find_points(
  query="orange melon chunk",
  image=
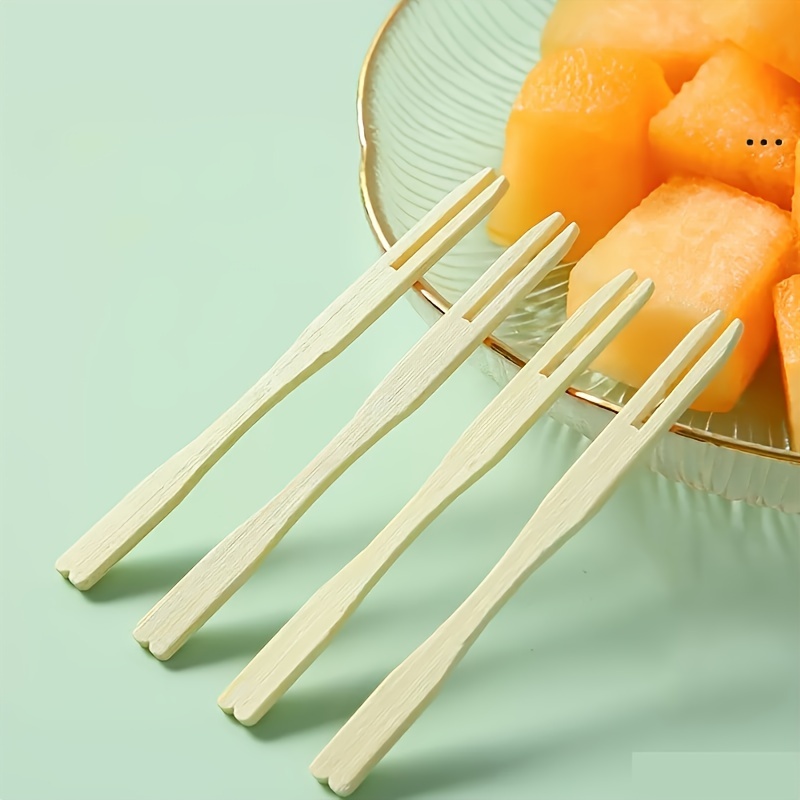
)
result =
(577, 142)
(787, 316)
(671, 32)
(769, 29)
(716, 124)
(707, 246)
(796, 198)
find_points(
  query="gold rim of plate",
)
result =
(380, 229)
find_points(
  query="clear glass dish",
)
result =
(434, 96)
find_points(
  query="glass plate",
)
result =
(434, 96)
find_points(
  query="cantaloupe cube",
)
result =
(577, 142)
(787, 316)
(716, 124)
(796, 198)
(707, 246)
(769, 29)
(671, 32)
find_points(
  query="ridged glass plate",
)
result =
(434, 97)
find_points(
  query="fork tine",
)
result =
(488, 300)
(599, 333)
(415, 259)
(655, 388)
(411, 242)
(695, 380)
(507, 266)
(575, 327)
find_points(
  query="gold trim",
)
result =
(426, 291)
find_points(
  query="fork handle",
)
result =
(397, 702)
(214, 579)
(148, 503)
(229, 565)
(298, 643)
(409, 689)
(145, 506)
(389, 712)
(211, 582)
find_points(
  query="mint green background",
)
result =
(178, 197)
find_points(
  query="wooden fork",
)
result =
(122, 528)
(204, 589)
(487, 440)
(397, 702)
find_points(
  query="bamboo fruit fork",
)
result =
(211, 582)
(397, 702)
(125, 525)
(483, 445)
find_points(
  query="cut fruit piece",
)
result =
(577, 142)
(769, 29)
(737, 120)
(796, 198)
(671, 32)
(707, 246)
(787, 316)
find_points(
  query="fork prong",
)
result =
(433, 248)
(510, 263)
(655, 388)
(441, 215)
(695, 380)
(600, 333)
(563, 341)
(491, 307)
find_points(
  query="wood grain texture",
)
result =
(140, 511)
(484, 444)
(409, 689)
(446, 345)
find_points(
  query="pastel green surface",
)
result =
(178, 197)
